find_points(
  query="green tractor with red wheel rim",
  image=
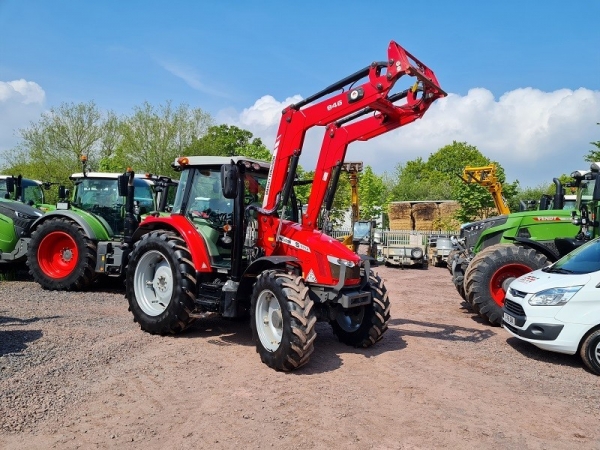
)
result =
(506, 247)
(21, 204)
(88, 234)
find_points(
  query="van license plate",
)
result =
(509, 319)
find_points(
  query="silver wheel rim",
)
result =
(351, 319)
(269, 320)
(153, 283)
(596, 353)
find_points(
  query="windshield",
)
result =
(584, 259)
(100, 196)
(32, 192)
(586, 190)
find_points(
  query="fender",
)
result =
(87, 228)
(538, 246)
(184, 228)
(258, 266)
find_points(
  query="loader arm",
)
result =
(485, 176)
(323, 108)
(338, 136)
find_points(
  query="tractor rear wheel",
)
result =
(161, 283)
(491, 272)
(363, 326)
(283, 320)
(61, 256)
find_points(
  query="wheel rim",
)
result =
(502, 279)
(350, 320)
(153, 283)
(595, 353)
(58, 254)
(269, 320)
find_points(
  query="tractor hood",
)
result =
(322, 257)
(13, 208)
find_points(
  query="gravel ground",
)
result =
(76, 372)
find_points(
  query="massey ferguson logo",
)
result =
(551, 219)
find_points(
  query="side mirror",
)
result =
(544, 202)
(230, 174)
(122, 183)
(62, 192)
(10, 184)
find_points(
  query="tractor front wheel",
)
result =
(283, 320)
(161, 283)
(363, 326)
(61, 256)
(491, 272)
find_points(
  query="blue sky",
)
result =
(524, 77)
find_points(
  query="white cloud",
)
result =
(534, 135)
(21, 102)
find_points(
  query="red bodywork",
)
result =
(320, 256)
(311, 247)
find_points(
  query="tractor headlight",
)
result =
(346, 263)
(554, 297)
(416, 253)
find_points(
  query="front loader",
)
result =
(234, 242)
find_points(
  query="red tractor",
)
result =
(235, 242)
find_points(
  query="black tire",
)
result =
(161, 283)
(292, 320)
(450, 258)
(491, 271)
(61, 257)
(590, 352)
(467, 272)
(363, 326)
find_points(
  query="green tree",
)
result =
(371, 194)
(229, 140)
(51, 148)
(153, 137)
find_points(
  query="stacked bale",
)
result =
(400, 216)
(424, 215)
(447, 219)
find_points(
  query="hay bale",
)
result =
(424, 212)
(399, 210)
(401, 224)
(425, 225)
(448, 209)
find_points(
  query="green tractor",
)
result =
(88, 233)
(500, 249)
(24, 190)
(21, 204)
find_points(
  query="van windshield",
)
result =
(585, 259)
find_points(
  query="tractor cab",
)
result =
(200, 199)
(21, 189)
(98, 193)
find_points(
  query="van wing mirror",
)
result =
(230, 174)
